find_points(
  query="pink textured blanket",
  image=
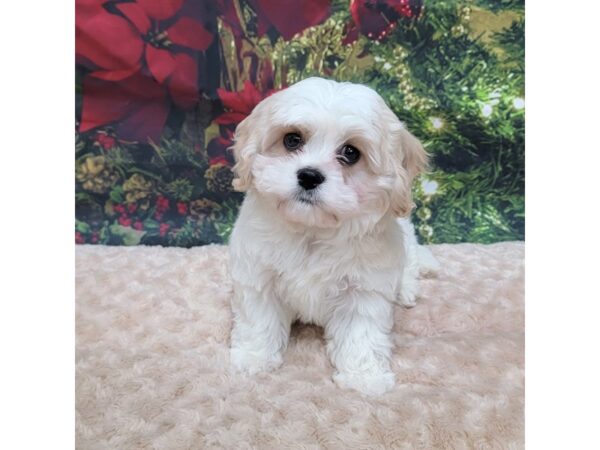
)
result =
(152, 360)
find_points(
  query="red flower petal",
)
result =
(290, 17)
(109, 41)
(86, 9)
(183, 83)
(263, 24)
(190, 33)
(243, 101)
(149, 108)
(160, 9)
(136, 15)
(146, 123)
(103, 102)
(137, 105)
(230, 118)
(115, 75)
(160, 62)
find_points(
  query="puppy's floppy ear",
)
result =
(245, 147)
(409, 159)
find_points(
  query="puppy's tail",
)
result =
(426, 262)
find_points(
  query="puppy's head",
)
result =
(325, 152)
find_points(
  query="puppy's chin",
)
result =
(307, 213)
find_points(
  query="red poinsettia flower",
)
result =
(376, 18)
(289, 17)
(240, 104)
(120, 46)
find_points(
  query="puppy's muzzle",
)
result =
(309, 178)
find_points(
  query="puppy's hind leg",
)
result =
(261, 329)
(418, 260)
(409, 283)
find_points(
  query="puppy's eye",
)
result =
(349, 155)
(292, 141)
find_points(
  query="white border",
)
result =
(36, 228)
(562, 219)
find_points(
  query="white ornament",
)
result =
(430, 187)
(436, 122)
(487, 110)
(519, 103)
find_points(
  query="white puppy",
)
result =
(327, 169)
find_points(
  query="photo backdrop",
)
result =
(162, 84)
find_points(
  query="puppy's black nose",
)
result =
(309, 178)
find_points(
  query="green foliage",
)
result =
(500, 5)
(226, 219)
(457, 92)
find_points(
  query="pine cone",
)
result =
(96, 175)
(202, 208)
(218, 178)
(137, 188)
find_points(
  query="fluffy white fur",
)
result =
(340, 260)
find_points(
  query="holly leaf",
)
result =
(82, 227)
(151, 225)
(129, 235)
(116, 194)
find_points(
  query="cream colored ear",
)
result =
(245, 147)
(411, 159)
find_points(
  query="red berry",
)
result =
(162, 204)
(138, 225)
(164, 227)
(119, 208)
(131, 207)
(182, 208)
(79, 239)
(106, 142)
(125, 221)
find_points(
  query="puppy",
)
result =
(327, 170)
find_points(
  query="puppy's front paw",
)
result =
(372, 383)
(408, 294)
(408, 300)
(251, 362)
